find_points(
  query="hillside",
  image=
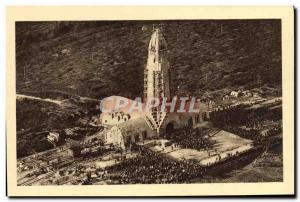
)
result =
(98, 59)
(36, 116)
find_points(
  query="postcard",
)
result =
(150, 101)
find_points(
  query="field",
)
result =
(222, 143)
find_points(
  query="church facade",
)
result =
(153, 122)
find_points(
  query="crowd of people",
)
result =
(151, 167)
(192, 138)
(253, 119)
(245, 116)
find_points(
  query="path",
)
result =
(20, 96)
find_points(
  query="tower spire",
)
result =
(156, 75)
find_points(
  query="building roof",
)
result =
(110, 103)
(134, 125)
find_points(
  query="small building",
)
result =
(226, 97)
(53, 137)
(234, 94)
(72, 131)
(53, 161)
(66, 51)
(123, 134)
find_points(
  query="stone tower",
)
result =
(156, 77)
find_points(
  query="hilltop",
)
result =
(102, 58)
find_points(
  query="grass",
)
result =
(108, 57)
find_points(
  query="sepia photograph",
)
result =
(103, 102)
